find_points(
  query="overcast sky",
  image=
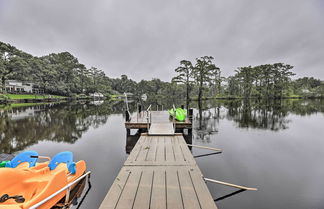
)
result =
(146, 39)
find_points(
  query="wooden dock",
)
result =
(159, 173)
(139, 120)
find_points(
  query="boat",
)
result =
(24, 182)
(178, 113)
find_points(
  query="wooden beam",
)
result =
(203, 147)
(230, 185)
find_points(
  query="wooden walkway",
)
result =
(159, 129)
(159, 173)
(139, 120)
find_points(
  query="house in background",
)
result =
(97, 96)
(14, 86)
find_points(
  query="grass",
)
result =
(31, 96)
(16, 105)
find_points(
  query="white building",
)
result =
(20, 86)
(97, 95)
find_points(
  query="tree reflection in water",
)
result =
(61, 122)
(21, 127)
(257, 114)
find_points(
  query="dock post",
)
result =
(190, 114)
(139, 108)
(188, 137)
(127, 116)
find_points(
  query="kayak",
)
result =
(28, 183)
(179, 114)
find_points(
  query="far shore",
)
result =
(36, 98)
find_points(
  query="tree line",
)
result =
(60, 73)
(269, 81)
(63, 74)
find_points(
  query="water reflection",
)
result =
(131, 140)
(229, 195)
(209, 154)
(60, 122)
(79, 204)
(66, 122)
(271, 160)
(256, 114)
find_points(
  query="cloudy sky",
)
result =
(147, 38)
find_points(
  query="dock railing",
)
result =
(173, 119)
(148, 117)
(67, 188)
(158, 107)
(128, 115)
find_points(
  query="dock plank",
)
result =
(112, 198)
(151, 156)
(127, 197)
(143, 197)
(206, 201)
(190, 199)
(160, 187)
(161, 150)
(174, 196)
(158, 196)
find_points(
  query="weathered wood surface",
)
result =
(161, 129)
(160, 173)
(160, 150)
(159, 187)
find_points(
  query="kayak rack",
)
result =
(67, 188)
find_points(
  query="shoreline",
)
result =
(39, 99)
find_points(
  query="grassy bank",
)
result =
(14, 105)
(28, 98)
(240, 97)
(34, 98)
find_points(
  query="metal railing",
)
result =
(158, 107)
(67, 188)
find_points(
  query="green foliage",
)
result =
(185, 77)
(263, 81)
(203, 73)
(62, 74)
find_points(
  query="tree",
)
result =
(247, 77)
(233, 87)
(185, 75)
(281, 78)
(11, 66)
(217, 81)
(267, 81)
(203, 73)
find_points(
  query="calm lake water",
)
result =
(276, 146)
